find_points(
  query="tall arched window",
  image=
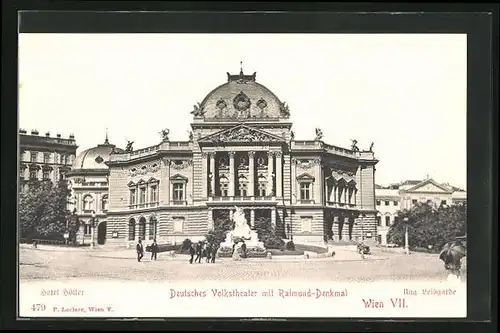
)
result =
(142, 228)
(152, 227)
(88, 202)
(131, 229)
(104, 203)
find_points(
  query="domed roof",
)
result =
(241, 97)
(95, 158)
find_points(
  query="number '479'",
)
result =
(38, 307)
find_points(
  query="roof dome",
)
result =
(95, 158)
(241, 98)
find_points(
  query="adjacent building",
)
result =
(88, 179)
(393, 198)
(241, 152)
(43, 157)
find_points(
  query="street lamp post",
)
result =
(362, 229)
(407, 246)
(92, 227)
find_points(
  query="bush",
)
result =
(186, 244)
(290, 246)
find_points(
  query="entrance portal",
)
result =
(101, 233)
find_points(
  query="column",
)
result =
(346, 191)
(270, 171)
(251, 174)
(273, 218)
(212, 170)
(326, 196)
(164, 193)
(252, 218)
(293, 166)
(210, 219)
(279, 174)
(335, 228)
(231, 175)
(230, 214)
(204, 175)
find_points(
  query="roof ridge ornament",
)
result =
(241, 78)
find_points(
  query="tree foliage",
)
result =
(428, 225)
(222, 225)
(43, 211)
(267, 234)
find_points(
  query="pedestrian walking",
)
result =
(192, 251)
(140, 250)
(208, 251)
(199, 252)
(214, 252)
(154, 250)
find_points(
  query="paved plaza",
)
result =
(51, 263)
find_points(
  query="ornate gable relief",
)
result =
(241, 134)
(144, 169)
(180, 164)
(306, 164)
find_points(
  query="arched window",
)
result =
(131, 229)
(142, 228)
(262, 186)
(242, 186)
(104, 202)
(88, 202)
(224, 187)
(152, 227)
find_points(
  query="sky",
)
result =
(404, 92)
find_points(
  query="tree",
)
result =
(43, 211)
(222, 225)
(429, 226)
(267, 234)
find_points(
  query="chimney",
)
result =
(59, 135)
(71, 136)
(47, 134)
(34, 132)
(22, 131)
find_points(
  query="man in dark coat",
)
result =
(199, 252)
(208, 251)
(154, 250)
(214, 252)
(140, 250)
(192, 251)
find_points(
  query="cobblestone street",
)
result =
(58, 264)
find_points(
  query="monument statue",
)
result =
(241, 232)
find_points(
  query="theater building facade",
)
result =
(242, 152)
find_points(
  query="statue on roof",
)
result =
(319, 134)
(129, 147)
(164, 134)
(191, 136)
(285, 110)
(354, 145)
(292, 135)
(371, 147)
(198, 110)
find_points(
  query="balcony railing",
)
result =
(341, 204)
(242, 198)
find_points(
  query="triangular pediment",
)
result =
(178, 177)
(429, 186)
(305, 176)
(240, 134)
